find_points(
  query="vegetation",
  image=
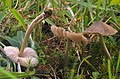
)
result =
(60, 58)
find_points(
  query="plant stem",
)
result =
(38, 19)
(66, 57)
(104, 47)
(2, 44)
(66, 54)
(18, 67)
(109, 70)
(118, 66)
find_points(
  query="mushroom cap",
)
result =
(77, 37)
(101, 28)
(58, 31)
(29, 57)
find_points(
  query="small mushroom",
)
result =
(102, 29)
(26, 57)
(77, 37)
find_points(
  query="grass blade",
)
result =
(82, 63)
(2, 15)
(91, 5)
(91, 65)
(8, 3)
(19, 17)
(118, 65)
(97, 9)
(5, 73)
(109, 70)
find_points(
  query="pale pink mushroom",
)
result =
(26, 56)
(29, 57)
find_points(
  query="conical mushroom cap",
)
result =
(101, 28)
(29, 57)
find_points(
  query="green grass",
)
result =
(16, 15)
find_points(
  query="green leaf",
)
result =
(49, 21)
(54, 3)
(95, 74)
(118, 65)
(109, 70)
(15, 75)
(2, 15)
(115, 2)
(8, 3)
(5, 74)
(23, 74)
(99, 3)
(20, 37)
(97, 9)
(85, 4)
(12, 41)
(86, 19)
(19, 17)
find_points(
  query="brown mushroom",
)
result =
(102, 29)
(77, 37)
(26, 56)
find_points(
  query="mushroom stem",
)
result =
(38, 19)
(104, 47)
(19, 68)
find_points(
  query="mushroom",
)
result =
(77, 37)
(26, 57)
(29, 57)
(102, 29)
